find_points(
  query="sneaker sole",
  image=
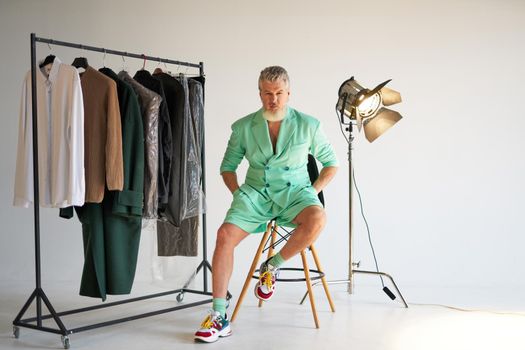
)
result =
(209, 339)
(256, 291)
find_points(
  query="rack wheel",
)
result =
(65, 342)
(16, 332)
(180, 297)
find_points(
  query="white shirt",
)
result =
(60, 139)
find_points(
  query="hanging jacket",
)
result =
(165, 135)
(149, 102)
(103, 135)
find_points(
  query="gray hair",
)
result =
(274, 73)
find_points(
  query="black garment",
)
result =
(177, 233)
(174, 97)
(165, 136)
(313, 172)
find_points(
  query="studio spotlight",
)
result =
(366, 107)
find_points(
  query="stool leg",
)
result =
(251, 271)
(309, 286)
(323, 280)
(270, 250)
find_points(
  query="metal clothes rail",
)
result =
(38, 295)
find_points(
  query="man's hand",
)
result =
(325, 176)
(230, 179)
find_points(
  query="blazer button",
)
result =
(286, 168)
(267, 167)
(267, 185)
(288, 184)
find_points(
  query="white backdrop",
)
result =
(443, 189)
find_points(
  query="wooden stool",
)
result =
(272, 230)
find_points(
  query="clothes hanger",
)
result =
(183, 74)
(49, 59)
(123, 64)
(158, 70)
(104, 59)
(143, 69)
(80, 62)
(174, 74)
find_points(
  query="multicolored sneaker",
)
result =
(265, 288)
(213, 327)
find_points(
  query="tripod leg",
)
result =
(25, 307)
(387, 276)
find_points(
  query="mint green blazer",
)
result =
(280, 176)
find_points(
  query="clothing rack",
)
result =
(38, 295)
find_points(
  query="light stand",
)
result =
(351, 96)
(351, 265)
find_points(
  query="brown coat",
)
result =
(102, 135)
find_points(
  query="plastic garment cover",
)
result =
(177, 227)
(164, 134)
(168, 271)
(193, 136)
(180, 240)
(149, 102)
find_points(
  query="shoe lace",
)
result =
(267, 279)
(207, 323)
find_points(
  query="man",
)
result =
(276, 141)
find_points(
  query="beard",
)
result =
(274, 116)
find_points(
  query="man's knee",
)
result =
(226, 237)
(318, 219)
(313, 217)
(223, 238)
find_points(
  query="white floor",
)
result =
(366, 320)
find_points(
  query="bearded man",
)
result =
(276, 141)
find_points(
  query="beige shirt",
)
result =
(103, 136)
(60, 126)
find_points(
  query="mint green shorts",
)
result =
(253, 215)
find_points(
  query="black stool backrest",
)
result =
(313, 171)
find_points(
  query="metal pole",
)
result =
(350, 211)
(115, 52)
(36, 197)
(203, 165)
(201, 73)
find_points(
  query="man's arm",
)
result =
(230, 179)
(232, 157)
(325, 176)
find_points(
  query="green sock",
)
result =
(277, 260)
(219, 305)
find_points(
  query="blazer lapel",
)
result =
(286, 132)
(262, 135)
